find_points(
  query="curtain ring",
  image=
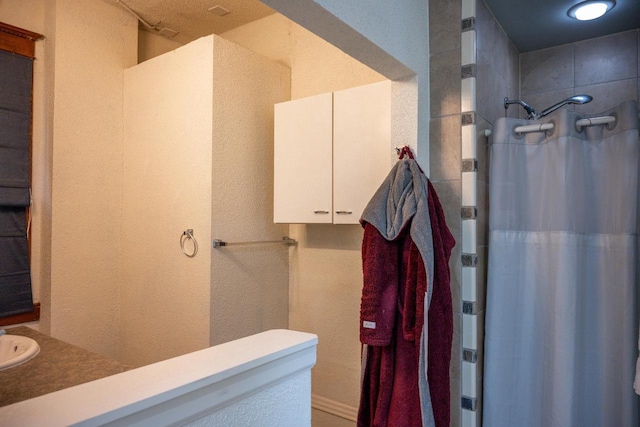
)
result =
(188, 234)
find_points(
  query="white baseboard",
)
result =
(334, 408)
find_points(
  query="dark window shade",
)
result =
(16, 81)
(15, 278)
(15, 128)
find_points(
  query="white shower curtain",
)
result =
(561, 335)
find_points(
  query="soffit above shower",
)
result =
(539, 24)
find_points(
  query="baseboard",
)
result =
(334, 408)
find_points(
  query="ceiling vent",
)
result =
(219, 10)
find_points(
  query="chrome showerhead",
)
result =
(576, 99)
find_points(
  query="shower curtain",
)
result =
(561, 331)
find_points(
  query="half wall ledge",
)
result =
(263, 379)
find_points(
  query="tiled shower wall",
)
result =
(474, 67)
(490, 72)
(607, 68)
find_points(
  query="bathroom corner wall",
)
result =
(94, 43)
(607, 68)
(445, 155)
(490, 72)
(151, 45)
(199, 155)
(166, 189)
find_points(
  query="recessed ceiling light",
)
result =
(219, 10)
(591, 9)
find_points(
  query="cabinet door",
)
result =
(302, 160)
(362, 152)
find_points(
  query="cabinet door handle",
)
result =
(321, 212)
(344, 212)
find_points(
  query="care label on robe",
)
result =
(369, 325)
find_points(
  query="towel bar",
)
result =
(217, 243)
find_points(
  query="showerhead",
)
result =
(580, 99)
(576, 99)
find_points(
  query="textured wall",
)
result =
(325, 275)
(166, 187)
(199, 154)
(279, 405)
(151, 45)
(249, 284)
(93, 45)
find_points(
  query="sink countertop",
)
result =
(59, 365)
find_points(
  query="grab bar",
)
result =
(593, 121)
(217, 243)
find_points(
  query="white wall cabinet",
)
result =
(332, 152)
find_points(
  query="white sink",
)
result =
(16, 349)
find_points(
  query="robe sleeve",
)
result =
(380, 260)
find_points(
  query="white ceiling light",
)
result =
(591, 9)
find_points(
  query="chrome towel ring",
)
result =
(188, 234)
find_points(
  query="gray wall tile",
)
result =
(513, 76)
(542, 101)
(482, 223)
(482, 148)
(481, 277)
(456, 413)
(444, 148)
(606, 59)
(491, 88)
(450, 195)
(445, 83)
(607, 95)
(479, 370)
(491, 39)
(444, 25)
(456, 347)
(455, 270)
(546, 70)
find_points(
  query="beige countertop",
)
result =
(58, 365)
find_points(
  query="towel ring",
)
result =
(188, 234)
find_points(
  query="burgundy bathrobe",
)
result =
(395, 284)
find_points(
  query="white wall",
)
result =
(325, 275)
(94, 43)
(249, 284)
(198, 155)
(166, 187)
(151, 45)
